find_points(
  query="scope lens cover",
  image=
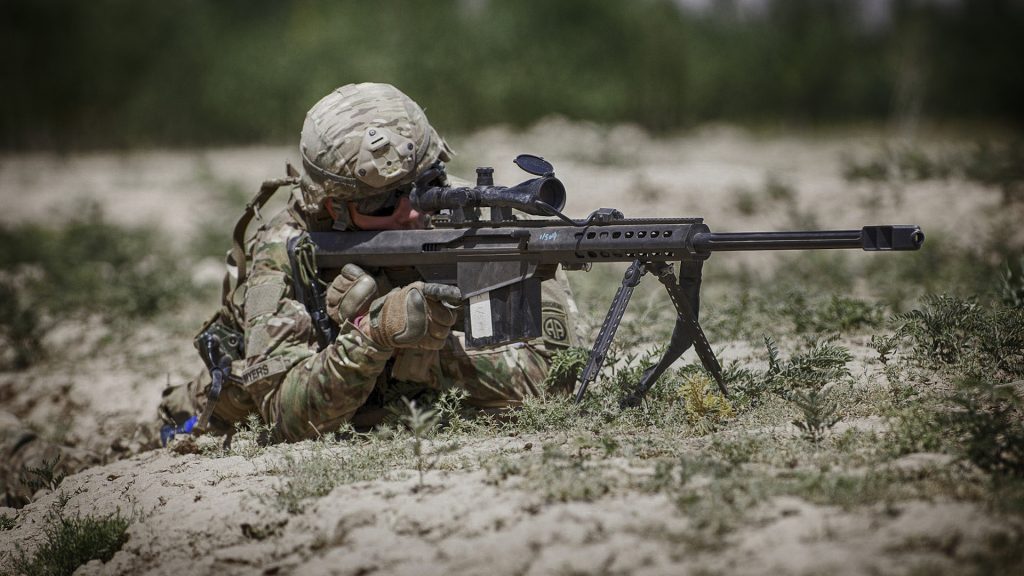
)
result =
(534, 164)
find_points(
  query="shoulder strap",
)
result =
(267, 190)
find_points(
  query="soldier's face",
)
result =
(405, 217)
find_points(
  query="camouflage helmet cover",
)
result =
(362, 140)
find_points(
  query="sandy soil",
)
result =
(208, 515)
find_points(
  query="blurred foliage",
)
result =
(999, 165)
(122, 73)
(85, 267)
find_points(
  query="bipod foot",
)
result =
(685, 296)
(630, 280)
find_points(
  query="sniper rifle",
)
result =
(499, 262)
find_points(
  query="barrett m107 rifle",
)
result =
(499, 262)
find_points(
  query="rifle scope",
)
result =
(525, 197)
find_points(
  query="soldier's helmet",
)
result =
(364, 140)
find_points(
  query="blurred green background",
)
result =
(120, 73)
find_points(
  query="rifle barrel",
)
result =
(870, 238)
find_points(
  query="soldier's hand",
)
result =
(350, 294)
(419, 315)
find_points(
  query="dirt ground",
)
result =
(209, 515)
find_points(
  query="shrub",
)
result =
(71, 541)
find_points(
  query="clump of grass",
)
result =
(745, 202)
(21, 327)
(545, 413)
(7, 522)
(69, 541)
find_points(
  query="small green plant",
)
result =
(565, 369)
(251, 438)
(706, 410)
(990, 423)
(998, 165)
(422, 424)
(819, 412)
(823, 363)
(7, 522)
(807, 381)
(886, 346)
(450, 409)
(308, 474)
(69, 541)
(47, 476)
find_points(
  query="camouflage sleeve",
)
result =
(298, 390)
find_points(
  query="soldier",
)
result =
(363, 147)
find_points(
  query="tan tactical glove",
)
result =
(419, 315)
(350, 294)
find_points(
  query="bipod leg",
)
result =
(611, 323)
(685, 296)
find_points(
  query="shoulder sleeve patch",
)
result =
(555, 325)
(263, 298)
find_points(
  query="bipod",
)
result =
(685, 296)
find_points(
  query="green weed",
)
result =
(819, 412)
(47, 476)
(422, 424)
(807, 381)
(565, 369)
(71, 541)
(7, 522)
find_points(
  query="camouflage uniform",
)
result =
(361, 143)
(303, 392)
